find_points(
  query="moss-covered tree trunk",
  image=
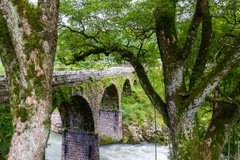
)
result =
(28, 46)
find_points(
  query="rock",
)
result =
(144, 132)
(105, 140)
(144, 124)
(124, 126)
(134, 124)
(148, 132)
(56, 122)
(130, 134)
(164, 130)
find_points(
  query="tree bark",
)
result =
(28, 59)
(204, 50)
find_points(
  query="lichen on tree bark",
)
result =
(28, 58)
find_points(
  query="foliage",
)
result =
(2, 70)
(137, 107)
(90, 34)
(204, 118)
(88, 64)
(233, 138)
(6, 130)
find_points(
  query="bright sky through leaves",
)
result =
(33, 1)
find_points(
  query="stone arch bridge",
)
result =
(89, 104)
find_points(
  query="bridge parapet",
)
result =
(73, 76)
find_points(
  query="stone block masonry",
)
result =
(110, 124)
(80, 146)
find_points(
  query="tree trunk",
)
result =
(28, 58)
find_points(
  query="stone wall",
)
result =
(110, 124)
(79, 146)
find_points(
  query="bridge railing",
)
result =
(71, 76)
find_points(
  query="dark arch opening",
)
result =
(77, 115)
(126, 88)
(110, 98)
(135, 82)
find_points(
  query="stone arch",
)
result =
(126, 89)
(79, 139)
(77, 114)
(110, 98)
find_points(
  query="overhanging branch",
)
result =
(82, 33)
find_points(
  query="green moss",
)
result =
(23, 113)
(27, 91)
(125, 140)
(105, 140)
(82, 88)
(47, 122)
(107, 81)
(91, 78)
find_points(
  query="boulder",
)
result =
(130, 134)
(145, 131)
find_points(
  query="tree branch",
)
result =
(139, 50)
(224, 18)
(221, 124)
(82, 55)
(49, 12)
(206, 86)
(81, 32)
(203, 53)
(167, 37)
(223, 101)
(223, 94)
(193, 28)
